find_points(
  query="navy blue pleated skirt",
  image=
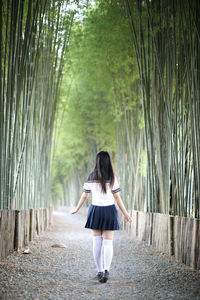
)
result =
(102, 217)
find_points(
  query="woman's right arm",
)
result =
(122, 207)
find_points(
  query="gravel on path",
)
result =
(138, 271)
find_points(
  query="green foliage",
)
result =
(98, 86)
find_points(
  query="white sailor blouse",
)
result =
(98, 197)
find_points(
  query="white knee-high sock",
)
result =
(108, 253)
(97, 247)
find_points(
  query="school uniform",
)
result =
(102, 213)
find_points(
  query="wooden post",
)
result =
(47, 217)
(26, 226)
(151, 229)
(38, 221)
(195, 246)
(171, 234)
(1, 235)
(42, 219)
(51, 215)
(45, 220)
(31, 225)
(136, 223)
(17, 230)
(49, 221)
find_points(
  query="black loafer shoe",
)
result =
(99, 275)
(104, 277)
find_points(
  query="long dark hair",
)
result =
(103, 170)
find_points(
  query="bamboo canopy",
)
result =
(138, 60)
(130, 85)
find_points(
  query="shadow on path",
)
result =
(137, 272)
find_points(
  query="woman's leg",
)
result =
(96, 232)
(108, 234)
(108, 248)
(97, 249)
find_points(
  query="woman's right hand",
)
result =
(74, 211)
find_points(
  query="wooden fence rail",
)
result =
(19, 227)
(175, 235)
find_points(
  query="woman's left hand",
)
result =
(127, 218)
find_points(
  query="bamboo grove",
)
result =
(166, 42)
(34, 36)
(132, 87)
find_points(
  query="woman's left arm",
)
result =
(81, 201)
(122, 207)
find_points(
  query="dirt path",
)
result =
(137, 272)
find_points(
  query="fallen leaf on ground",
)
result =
(59, 246)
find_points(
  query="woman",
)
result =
(102, 215)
